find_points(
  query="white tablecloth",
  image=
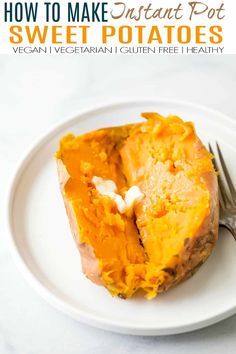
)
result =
(36, 92)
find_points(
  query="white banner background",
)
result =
(95, 31)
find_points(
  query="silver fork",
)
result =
(227, 193)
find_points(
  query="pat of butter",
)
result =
(108, 188)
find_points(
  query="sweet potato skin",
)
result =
(194, 253)
(88, 260)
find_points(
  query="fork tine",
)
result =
(210, 149)
(226, 173)
(221, 201)
(223, 196)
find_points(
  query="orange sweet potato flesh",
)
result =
(174, 228)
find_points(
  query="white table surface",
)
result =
(36, 92)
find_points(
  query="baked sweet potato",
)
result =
(165, 235)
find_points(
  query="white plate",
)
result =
(43, 247)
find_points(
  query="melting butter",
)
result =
(108, 188)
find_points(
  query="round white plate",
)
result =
(42, 245)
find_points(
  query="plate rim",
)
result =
(35, 283)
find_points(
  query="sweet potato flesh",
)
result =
(163, 157)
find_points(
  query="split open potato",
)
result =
(142, 202)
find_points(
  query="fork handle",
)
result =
(231, 229)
